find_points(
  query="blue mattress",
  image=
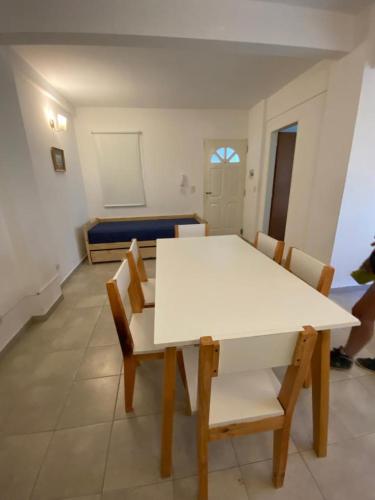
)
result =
(143, 230)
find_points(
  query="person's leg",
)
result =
(364, 310)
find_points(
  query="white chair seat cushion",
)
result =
(142, 328)
(148, 288)
(244, 397)
(235, 397)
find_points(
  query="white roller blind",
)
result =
(119, 160)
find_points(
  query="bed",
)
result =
(107, 239)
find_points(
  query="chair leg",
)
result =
(130, 368)
(280, 455)
(202, 465)
(181, 368)
(308, 380)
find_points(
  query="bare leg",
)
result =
(364, 310)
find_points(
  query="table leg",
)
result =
(320, 392)
(168, 411)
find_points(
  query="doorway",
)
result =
(224, 185)
(282, 179)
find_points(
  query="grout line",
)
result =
(312, 475)
(53, 432)
(109, 439)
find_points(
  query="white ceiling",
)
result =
(350, 6)
(161, 77)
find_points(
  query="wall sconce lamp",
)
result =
(60, 123)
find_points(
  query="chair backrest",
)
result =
(267, 351)
(312, 271)
(119, 300)
(190, 230)
(257, 353)
(134, 250)
(137, 298)
(269, 246)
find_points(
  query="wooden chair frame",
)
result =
(176, 230)
(130, 359)
(280, 425)
(138, 276)
(324, 287)
(279, 249)
(326, 276)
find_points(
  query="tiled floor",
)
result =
(64, 433)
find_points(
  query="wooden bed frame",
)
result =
(112, 252)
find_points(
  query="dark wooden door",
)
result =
(286, 144)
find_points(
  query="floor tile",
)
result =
(298, 485)
(368, 381)
(222, 485)
(91, 300)
(59, 339)
(148, 391)
(221, 453)
(104, 332)
(74, 464)
(90, 401)
(347, 472)
(256, 447)
(101, 362)
(66, 317)
(36, 409)
(302, 428)
(161, 491)
(134, 453)
(58, 365)
(86, 497)
(355, 406)
(20, 460)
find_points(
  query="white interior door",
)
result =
(224, 185)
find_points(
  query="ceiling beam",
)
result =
(251, 24)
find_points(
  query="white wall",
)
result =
(336, 135)
(324, 102)
(302, 101)
(256, 135)
(172, 143)
(356, 227)
(40, 210)
(62, 195)
(29, 283)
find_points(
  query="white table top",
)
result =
(223, 287)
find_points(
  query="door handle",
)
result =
(208, 192)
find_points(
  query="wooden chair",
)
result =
(135, 328)
(232, 402)
(274, 249)
(310, 270)
(190, 230)
(137, 268)
(314, 273)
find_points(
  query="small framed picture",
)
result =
(58, 159)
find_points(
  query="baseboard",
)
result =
(29, 322)
(67, 276)
(43, 317)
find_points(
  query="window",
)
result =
(120, 168)
(225, 155)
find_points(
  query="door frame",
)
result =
(268, 179)
(205, 171)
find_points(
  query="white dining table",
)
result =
(223, 287)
